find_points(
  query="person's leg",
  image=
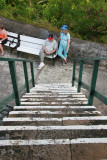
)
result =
(60, 50)
(2, 51)
(65, 52)
(65, 55)
(1, 48)
(42, 56)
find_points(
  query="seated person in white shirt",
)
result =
(48, 48)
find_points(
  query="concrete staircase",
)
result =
(54, 122)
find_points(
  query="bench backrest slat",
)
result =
(11, 39)
(11, 34)
(31, 45)
(32, 40)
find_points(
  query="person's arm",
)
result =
(48, 53)
(43, 47)
(58, 39)
(68, 42)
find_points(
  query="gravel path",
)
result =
(51, 74)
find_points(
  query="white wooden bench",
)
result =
(13, 40)
(33, 46)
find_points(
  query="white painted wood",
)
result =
(51, 112)
(73, 127)
(12, 34)
(32, 39)
(14, 37)
(22, 119)
(54, 103)
(36, 112)
(88, 140)
(55, 99)
(52, 96)
(54, 107)
(85, 118)
(34, 142)
(54, 89)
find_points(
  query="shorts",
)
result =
(4, 42)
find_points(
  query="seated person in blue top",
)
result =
(64, 43)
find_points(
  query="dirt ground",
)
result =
(52, 74)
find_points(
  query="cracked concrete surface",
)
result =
(51, 74)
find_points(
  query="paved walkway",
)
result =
(51, 74)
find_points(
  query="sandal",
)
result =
(2, 54)
(63, 63)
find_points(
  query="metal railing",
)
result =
(16, 90)
(92, 92)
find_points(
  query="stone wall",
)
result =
(83, 49)
(78, 48)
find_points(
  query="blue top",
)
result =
(64, 38)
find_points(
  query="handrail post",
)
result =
(93, 82)
(80, 76)
(14, 81)
(26, 77)
(73, 76)
(32, 74)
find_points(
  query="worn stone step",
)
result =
(54, 85)
(35, 149)
(89, 149)
(56, 89)
(49, 84)
(32, 121)
(53, 91)
(53, 88)
(47, 99)
(93, 120)
(64, 121)
(50, 114)
(79, 102)
(53, 132)
(55, 108)
(53, 96)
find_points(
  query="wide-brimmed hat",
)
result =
(64, 27)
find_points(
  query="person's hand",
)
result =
(66, 49)
(48, 53)
(45, 51)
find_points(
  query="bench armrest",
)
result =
(53, 54)
(13, 41)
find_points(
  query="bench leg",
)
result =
(17, 53)
(11, 51)
(54, 61)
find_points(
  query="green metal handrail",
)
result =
(16, 90)
(91, 88)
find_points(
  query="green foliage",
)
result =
(86, 19)
(2, 4)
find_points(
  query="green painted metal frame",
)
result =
(32, 74)
(26, 76)
(16, 91)
(73, 77)
(14, 81)
(91, 88)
